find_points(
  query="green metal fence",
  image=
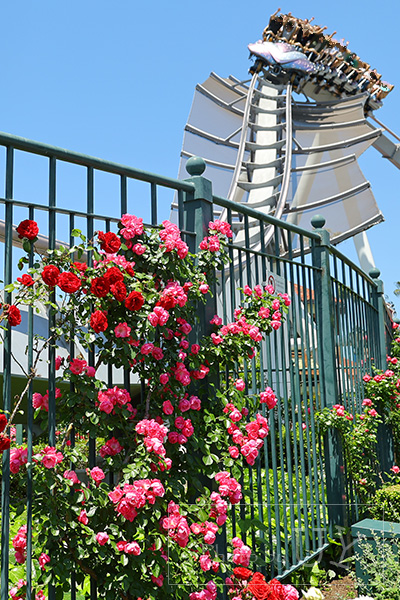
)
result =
(337, 328)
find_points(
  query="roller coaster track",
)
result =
(286, 157)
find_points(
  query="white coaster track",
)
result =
(288, 158)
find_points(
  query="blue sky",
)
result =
(116, 79)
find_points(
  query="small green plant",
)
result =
(387, 504)
(379, 562)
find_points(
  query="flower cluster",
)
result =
(42, 402)
(112, 398)
(248, 584)
(154, 435)
(19, 545)
(228, 486)
(18, 457)
(130, 498)
(176, 525)
(171, 239)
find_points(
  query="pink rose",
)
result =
(97, 474)
(83, 518)
(122, 330)
(102, 537)
(184, 405)
(168, 409)
(240, 385)
(195, 403)
(291, 593)
(72, 476)
(233, 451)
(132, 548)
(44, 559)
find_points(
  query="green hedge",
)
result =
(387, 504)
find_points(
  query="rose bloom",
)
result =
(113, 275)
(100, 287)
(26, 280)
(5, 442)
(134, 301)
(43, 560)
(98, 321)
(118, 290)
(102, 537)
(167, 407)
(50, 275)
(3, 422)
(68, 282)
(27, 229)
(240, 385)
(109, 242)
(13, 315)
(122, 330)
(97, 474)
(83, 518)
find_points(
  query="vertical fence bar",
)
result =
(5, 491)
(385, 436)
(29, 479)
(52, 324)
(325, 322)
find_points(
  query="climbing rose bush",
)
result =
(169, 455)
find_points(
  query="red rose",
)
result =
(50, 275)
(13, 315)
(3, 422)
(113, 274)
(276, 591)
(258, 586)
(98, 321)
(242, 573)
(128, 268)
(27, 229)
(109, 242)
(25, 280)
(134, 301)
(5, 443)
(118, 290)
(69, 282)
(80, 266)
(100, 287)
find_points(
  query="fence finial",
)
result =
(318, 221)
(374, 273)
(195, 166)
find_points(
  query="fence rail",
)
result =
(338, 327)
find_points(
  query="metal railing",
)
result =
(336, 327)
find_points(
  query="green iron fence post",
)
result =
(385, 435)
(198, 212)
(324, 301)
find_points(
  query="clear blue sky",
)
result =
(116, 79)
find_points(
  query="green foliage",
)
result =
(386, 505)
(359, 438)
(379, 562)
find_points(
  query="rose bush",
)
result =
(359, 431)
(147, 515)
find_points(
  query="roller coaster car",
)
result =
(279, 56)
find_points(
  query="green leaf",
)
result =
(207, 460)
